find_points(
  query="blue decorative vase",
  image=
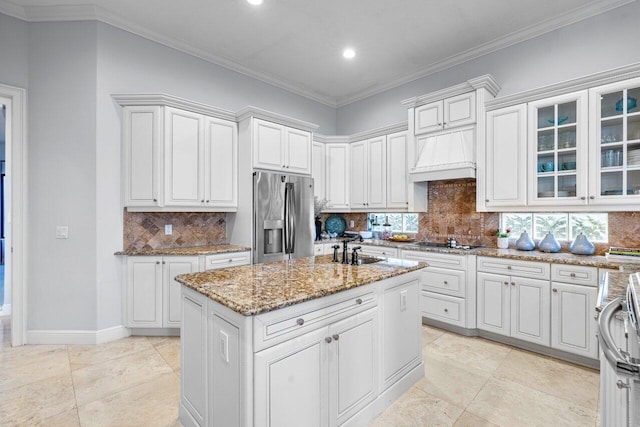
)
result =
(524, 242)
(549, 244)
(582, 246)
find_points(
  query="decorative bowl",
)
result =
(631, 104)
(335, 224)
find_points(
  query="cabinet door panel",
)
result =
(222, 159)
(530, 310)
(460, 110)
(338, 176)
(428, 118)
(183, 159)
(193, 356)
(573, 327)
(268, 145)
(354, 365)
(144, 292)
(142, 136)
(225, 392)
(506, 157)
(298, 151)
(290, 382)
(173, 266)
(377, 173)
(359, 168)
(493, 303)
(397, 170)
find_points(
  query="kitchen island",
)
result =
(302, 342)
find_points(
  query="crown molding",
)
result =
(173, 101)
(360, 136)
(259, 113)
(91, 12)
(483, 82)
(580, 83)
(593, 9)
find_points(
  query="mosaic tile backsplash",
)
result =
(145, 230)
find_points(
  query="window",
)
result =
(400, 223)
(564, 226)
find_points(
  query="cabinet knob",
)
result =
(207, 201)
(506, 283)
(359, 301)
(486, 200)
(446, 283)
(158, 262)
(155, 200)
(300, 321)
(573, 275)
(555, 290)
(583, 198)
(328, 340)
(364, 204)
(592, 197)
(335, 337)
(284, 166)
(164, 262)
(230, 259)
(202, 201)
(513, 283)
(446, 310)
(508, 267)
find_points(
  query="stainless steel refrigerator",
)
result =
(283, 216)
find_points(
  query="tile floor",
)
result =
(135, 382)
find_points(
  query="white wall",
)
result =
(13, 51)
(600, 43)
(62, 176)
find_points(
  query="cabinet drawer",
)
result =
(435, 259)
(234, 259)
(274, 327)
(379, 251)
(443, 308)
(512, 267)
(575, 274)
(442, 281)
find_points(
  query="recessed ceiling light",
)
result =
(349, 53)
(255, 2)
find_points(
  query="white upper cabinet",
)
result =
(221, 159)
(451, 112)
(337, 175)
(141, 155)
(178, 160)
(557, 148)
(397, 170)
(280, 148)
(318, 166)
(184, 163)
(368, 174)
(614, 145)
(504, 175)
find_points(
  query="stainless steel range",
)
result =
(619, 337)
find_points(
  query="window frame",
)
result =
(570, 218)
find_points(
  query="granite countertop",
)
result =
(189, 250)
(614, 284)
(258, 288)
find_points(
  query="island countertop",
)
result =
(258, 288)
(187, 250)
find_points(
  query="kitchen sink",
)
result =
(446, 245)
(368, 260)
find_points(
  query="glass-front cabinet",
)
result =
(615, 143)
(558, 139)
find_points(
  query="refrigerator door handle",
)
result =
(619, 361)
(289, 218)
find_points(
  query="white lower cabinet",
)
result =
(514, 306)
(324, 362)
(153, 296)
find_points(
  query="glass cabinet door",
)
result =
(616, 143)
(558, 150)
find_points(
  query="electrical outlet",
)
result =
(168, 229)
(62, 232)
(403, 300)
(352, 223)
(224, 346)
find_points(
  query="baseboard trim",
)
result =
(77, 337)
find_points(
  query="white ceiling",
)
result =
(297, 44)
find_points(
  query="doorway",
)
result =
(12, 202)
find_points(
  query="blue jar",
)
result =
(549, 244)
(582, 246)
(524, 242)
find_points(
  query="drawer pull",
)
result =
(335, 337)
(359, 301)
(573, 275)
(328, 340)
(300, 321)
